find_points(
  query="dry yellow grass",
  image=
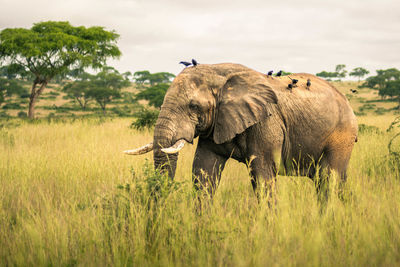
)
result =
(65, 201)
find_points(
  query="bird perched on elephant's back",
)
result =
(242, 114)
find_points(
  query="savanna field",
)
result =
(70, 197)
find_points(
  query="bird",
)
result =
(187, 64)
(279, 73)
(194, 62)
(353, 91)
(290, 86)
(308, 84)
(294, 81)
(270, 72)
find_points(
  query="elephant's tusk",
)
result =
(175, 148)
(141, 150)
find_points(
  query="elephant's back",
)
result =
(312, 113)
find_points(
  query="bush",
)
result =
(145, 118)
(25, 95)
(367, 106)
(359, 113)
(121, 111)
(12, 106)
(363, 128)
(381, 111)
(22, 114)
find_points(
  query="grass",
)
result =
(70, 197)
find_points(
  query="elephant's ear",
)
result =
(243, 102)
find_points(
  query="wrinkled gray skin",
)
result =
(243, 114)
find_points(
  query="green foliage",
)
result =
(145, 118)
(145, 77)
(387, 82)
(381, 111)
(367, 106)
(52, 48)
(363, 128)
(102, 87)
(154, 94)
(359, 72)
(9, 87)
(381, 78)
(78, 90)
(22, 114)
(285, 73)
(11, 106)
(340, 72)
(159, 83)
(103, 96)
(325, 74)
(106, 85)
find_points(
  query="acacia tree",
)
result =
(78, 90)
(145, 77)
(52, 48)
(359, 72)
(106, 86)
(159, 83)
(387, 82)
(340, 72)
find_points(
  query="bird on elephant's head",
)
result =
(240, 113)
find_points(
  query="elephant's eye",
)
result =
(194, 106)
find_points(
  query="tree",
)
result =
(155, 94)
(52, 48)
(106, 86)
(78, 90)
(359, 72)
(340, 72)
(145, 77)
(159, 83)
(326, 75)
(387, 82)
(383, 76)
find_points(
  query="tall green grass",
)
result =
(70, 197)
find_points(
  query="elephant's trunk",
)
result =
(163, 138)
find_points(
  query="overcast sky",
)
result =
(296, 36)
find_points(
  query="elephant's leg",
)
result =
(263, 177)
(336, 158)
(207, 168)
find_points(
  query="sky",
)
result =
(292, 35)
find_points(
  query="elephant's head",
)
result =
(214, 101)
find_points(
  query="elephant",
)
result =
(256, 119)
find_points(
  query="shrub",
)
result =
(367, 106)
(145, 118)
(121, 111)
(381, 111)
(363, 128)
(22, 114)
(12, 106)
